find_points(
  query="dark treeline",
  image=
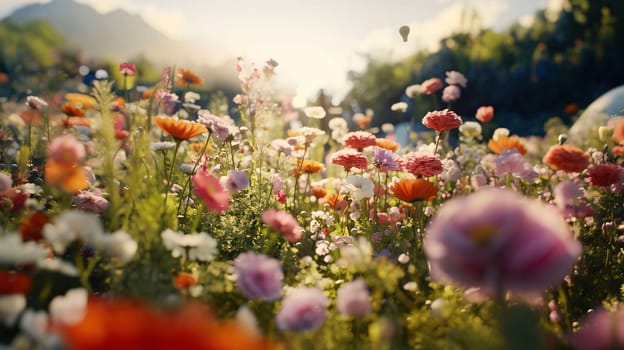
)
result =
(528, 73)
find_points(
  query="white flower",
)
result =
(35, 324)
(118, 245)
(451, 172)
(387, 128)
(198, 246)
(58, 265)
(413, 90)
(72, 225)
(470, 129)
(456, 78)
(500, 132)
(310, 133)
(315, 112)
(191, 97)
(14, 251)
(10, 307)
(70, 308)
(359, 187)
(338, 123)
(399, 107)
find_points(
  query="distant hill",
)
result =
(118, 35)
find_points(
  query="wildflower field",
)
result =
(143, 220)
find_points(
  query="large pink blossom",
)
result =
(421, 164)
(283, 222)
(499, 241)
(442, 121)
(600, 330)
(210, 191)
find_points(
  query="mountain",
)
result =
(120, 36)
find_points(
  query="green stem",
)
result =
(170, 176)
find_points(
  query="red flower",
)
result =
(128, 69)
(350, 158)
(431, 86)
(604, 175)
(485, 114)
(442, 121)
(32, 227)
(359, 140)
(184, 280)
(568, 158)
(423, 165)
(12, 282)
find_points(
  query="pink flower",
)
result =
(35, 102)
(5, 183)
(283, 222)
(128, 69)
(601, 330)
(258, 276)
(302, 309)
(421, 164)
(210, 191)
(431, 86)
(499, 241)
(359, 140)
(220, 127)
(442, 121)
(91, 201)
(485, 114)
(353, 299)
(510, 162)
(350, 158)
(456, 78)
(451, 93)
(66, 150)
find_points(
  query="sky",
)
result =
(315, 42)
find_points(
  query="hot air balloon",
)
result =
(404, 31)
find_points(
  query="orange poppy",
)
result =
(178, 128)
(80, 100)
(72, 110)
(184, 280)
(412, 190)
(12, 282)
(188, 77)
(335, 201)
(568, 158)
(387, 144)
(319, 192)
(69, 178)
(31, 227)
(308, 166)
(506, 142)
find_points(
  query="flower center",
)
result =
(482, 234)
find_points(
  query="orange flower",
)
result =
(72, 110)
(363, 120)
(618, 150)
(118, 103)
(188, 77)
(412, 190)
(32, 226)
(335, 201)
(184, 280)
(68, 177)
(506, 142)
(178, 128)
(387, 144)
(319, 192)
(568, 158)
(123, 324)
(308, 166)
(80, 100)
(570, 108)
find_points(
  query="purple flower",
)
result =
(353, 299)
(302, 309)
(235, 181)
(600, 330)
(220, 127)
(385, 160)
(258, 276)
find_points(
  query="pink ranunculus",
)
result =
(500, 242)
(283, 222)
(210, 191)
(485, 114)
(451, 93)
(431, 86)
(128, 69)
(442, 121)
